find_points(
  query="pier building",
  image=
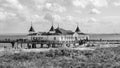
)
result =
(58, 35)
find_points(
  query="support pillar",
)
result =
(53, 45)
(21, 45)
(13, 44)
(33, 45)
(41, 46)
(49, 45)
(28, 45)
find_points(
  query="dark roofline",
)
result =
(32, 34)
(31, 29)
(52, 28)
(77, 29)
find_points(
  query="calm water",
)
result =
(105, 36)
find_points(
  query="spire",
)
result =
(52, 28)
(77, 29)
(58, 26)
(58, 29)
(31, 28)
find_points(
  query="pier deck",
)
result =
(32, 43)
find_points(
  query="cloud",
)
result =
(4, 15)
(116, 3)
(95, 11)
(49, 17)
(14, 4)
(81, 3)
(114, 19)
(92, 20)
(55, 7)
(53, 17)
(34, 18)
(99, 3)
(1, 9)
(17, 14)
(96, 3)
(39, 1)
(57, 18)
(69, 18)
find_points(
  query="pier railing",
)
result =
(53, 41)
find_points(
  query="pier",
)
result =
(55, 44)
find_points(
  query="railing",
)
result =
(54, 41)
(6, 41)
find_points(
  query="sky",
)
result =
(92, 16)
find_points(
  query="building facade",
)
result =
(57, 35)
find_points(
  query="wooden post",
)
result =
(53, 45)
(29, 45)
(49, 45)
(13, 44)
(41, 45)
(21, 45)
(34, 45)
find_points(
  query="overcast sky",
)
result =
(93, 16)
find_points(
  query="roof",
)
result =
(77, 29)
(81, 33)
(47, 33)
(52, 28)
(31, 29)
(32, 34)
(63, 31)
(59, 31)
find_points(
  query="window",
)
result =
(54, 38)
(76, 38)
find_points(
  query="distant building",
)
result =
(57, 34)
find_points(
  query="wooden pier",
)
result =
(54, 44)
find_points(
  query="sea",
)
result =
(91, 37)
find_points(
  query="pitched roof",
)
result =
(32, 34)
(77, 29)
(59, 31)
(81, 33)
(52, 28)
(62, 31)
(31, 29)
